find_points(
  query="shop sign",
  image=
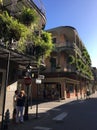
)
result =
(41, 76)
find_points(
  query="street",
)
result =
(78, 115)
(73, 115)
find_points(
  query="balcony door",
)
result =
(53, 64)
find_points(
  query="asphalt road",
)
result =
(78, 115)
(81, 115)
(74, 115)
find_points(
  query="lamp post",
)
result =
(6, 84)
(38, 81)
(27, 81)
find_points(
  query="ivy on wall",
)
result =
(81, 66)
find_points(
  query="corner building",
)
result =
(68, 69)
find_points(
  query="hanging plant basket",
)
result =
(28, 16)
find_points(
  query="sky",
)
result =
(80, 14)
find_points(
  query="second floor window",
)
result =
(53, 64)
(54, 40)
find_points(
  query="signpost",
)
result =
(38, 81)
(27, 81)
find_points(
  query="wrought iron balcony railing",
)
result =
(67, 46)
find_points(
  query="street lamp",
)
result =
(27, 81)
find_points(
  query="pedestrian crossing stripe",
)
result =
(60, 117)
(42, 128)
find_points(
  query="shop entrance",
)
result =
(69, 90)
(50, 91)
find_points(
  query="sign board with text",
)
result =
(38, 81)
(41, 76)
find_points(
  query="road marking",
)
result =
(55, 109)
(60, 117)
(42, 128)
(81, 101)
(71, 103)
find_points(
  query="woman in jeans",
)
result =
(20, 106)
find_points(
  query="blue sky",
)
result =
(81, 14)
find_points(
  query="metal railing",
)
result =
(40, 5)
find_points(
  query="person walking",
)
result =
(20, 107)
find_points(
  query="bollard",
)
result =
(6, 119)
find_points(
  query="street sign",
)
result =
(27, 80)
(41, 76)
(38, 81)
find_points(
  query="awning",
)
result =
(17, 57)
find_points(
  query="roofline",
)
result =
(62, 27)
(70, 27)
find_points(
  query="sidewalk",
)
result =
(43, 111)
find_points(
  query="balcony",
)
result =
(40, 5)
(69, 68)
(67, 46)
(64, 46)
(15, 7)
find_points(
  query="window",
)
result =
(70, 87)
(54, 40)
(53, 64)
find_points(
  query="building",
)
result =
(12, 62)
(68, 70)
(16, 6)
(94, 70)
